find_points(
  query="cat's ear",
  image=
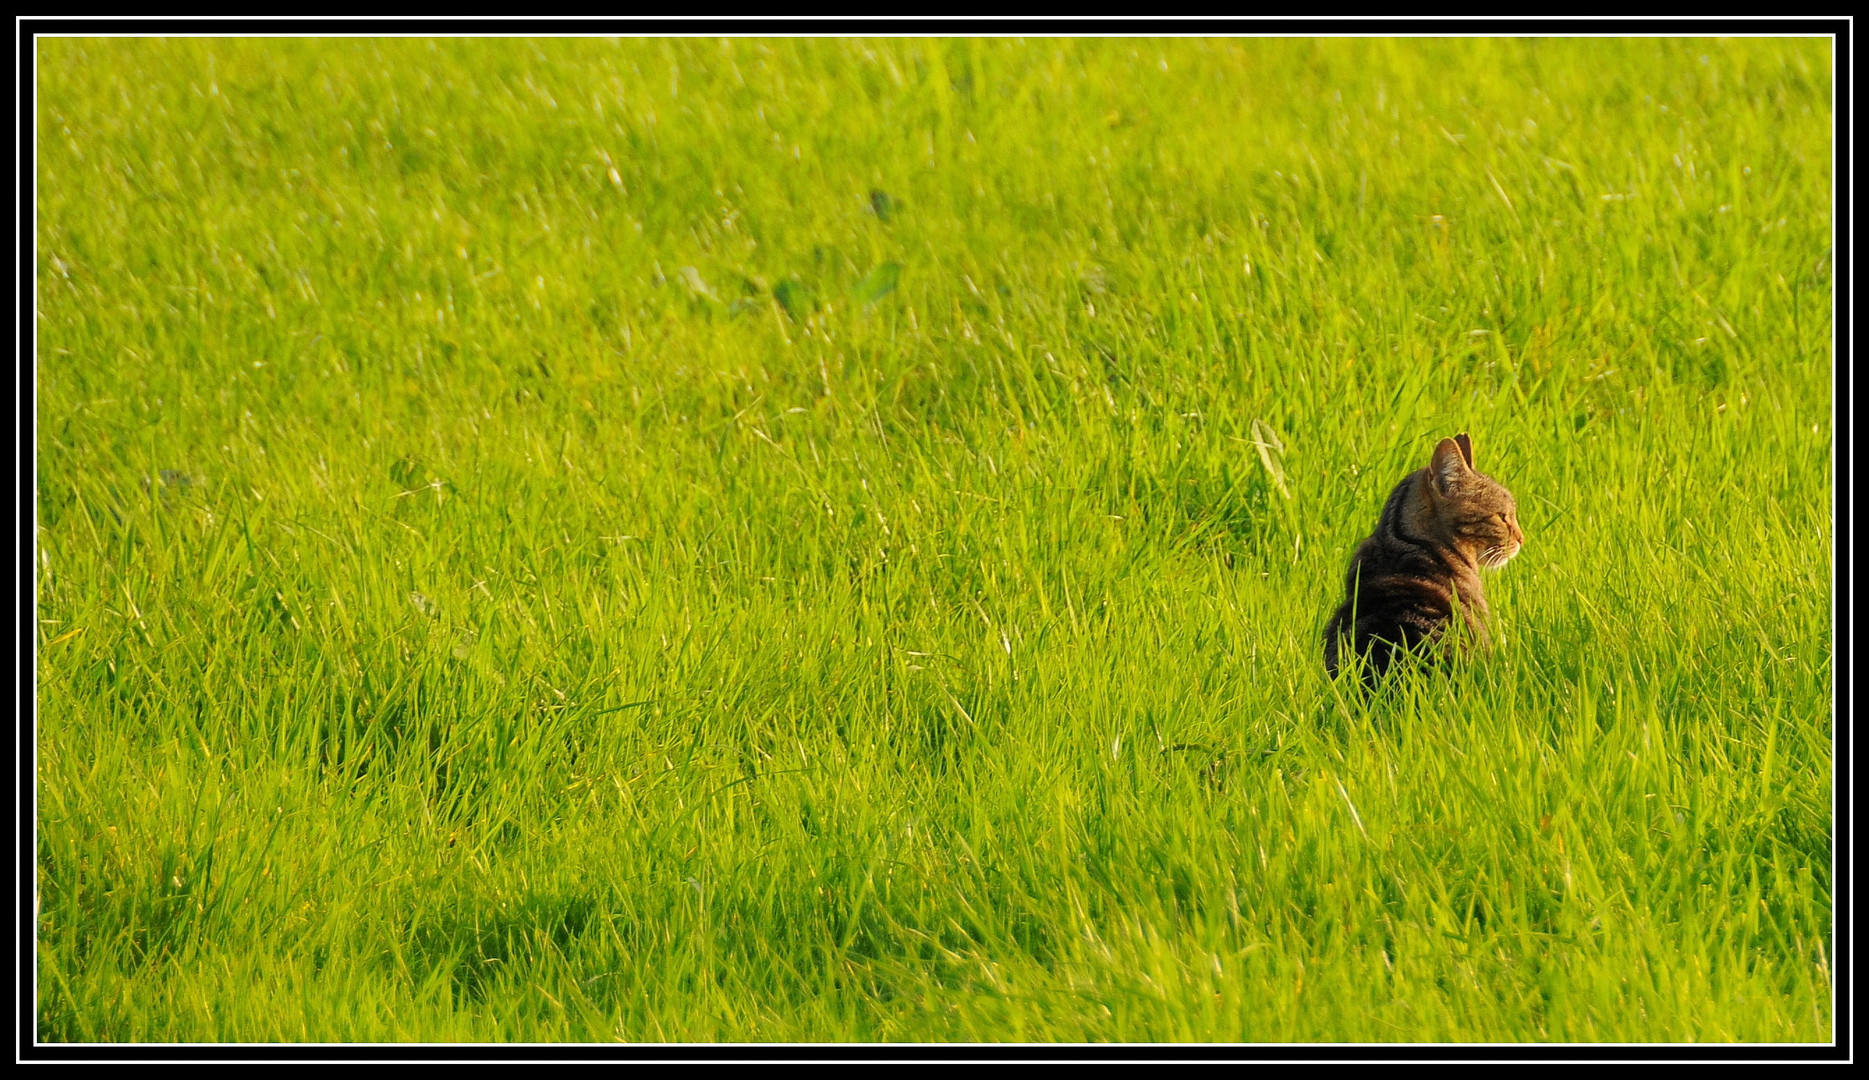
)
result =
(1466, 448)
(1448, 465)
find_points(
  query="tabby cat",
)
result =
(1441, 526)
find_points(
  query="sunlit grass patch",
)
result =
(810, 540)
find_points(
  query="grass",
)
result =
(813, 540)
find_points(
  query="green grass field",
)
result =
(808, 540)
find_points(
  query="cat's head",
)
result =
(1471, 509)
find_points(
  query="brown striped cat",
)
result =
(1441, 526)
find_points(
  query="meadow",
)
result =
(694, 540)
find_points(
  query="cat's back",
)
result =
(1400, 583)
(1403, 551)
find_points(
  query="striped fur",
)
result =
(1440, 526)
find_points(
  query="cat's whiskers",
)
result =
(1495, 557)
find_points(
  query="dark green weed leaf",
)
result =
(796, 299)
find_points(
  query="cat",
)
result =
(1439, 528)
